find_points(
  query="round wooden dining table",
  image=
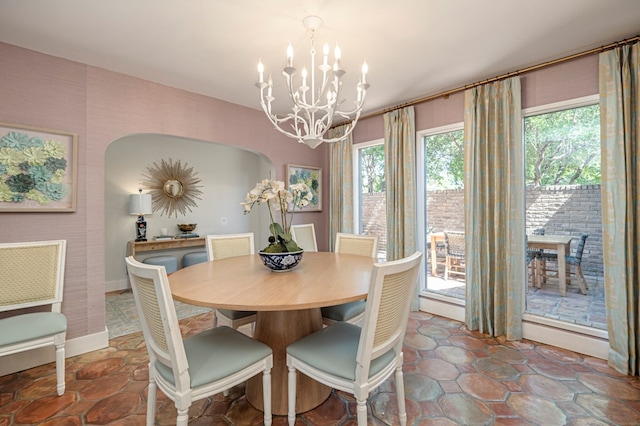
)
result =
(287, 304)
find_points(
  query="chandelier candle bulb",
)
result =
(290, 56)
(261, 71)
(325, 53)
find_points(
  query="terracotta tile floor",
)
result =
(452, 377)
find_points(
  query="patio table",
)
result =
(559, 243)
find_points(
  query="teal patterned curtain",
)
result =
(620, 146)
(400, 172)
(494, 208)
(341, 185)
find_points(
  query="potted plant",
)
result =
(282, 253)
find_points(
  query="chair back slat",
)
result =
(361, 245)
(32, 274)
(158, 318)
(580, 248)
(151, 311)
(454, 242)
(387, 309)
(305, 236)
(229, 245)
(395, 292)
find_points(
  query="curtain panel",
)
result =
(619, 72)
(400, 174)
(340, 185)
(494, 208)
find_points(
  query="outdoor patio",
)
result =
(575, 307)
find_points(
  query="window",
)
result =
(442, 153)
(371, 214)
(562, 176)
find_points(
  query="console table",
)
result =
(134, 247)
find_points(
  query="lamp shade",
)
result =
(140, 204)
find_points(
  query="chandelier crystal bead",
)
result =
(313, 111)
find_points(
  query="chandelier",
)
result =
(315, 103)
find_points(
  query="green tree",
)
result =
(445, 160)
(372, 169)
(563, 147)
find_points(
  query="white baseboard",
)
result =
(116, 285)
(572, 337)
(29, 359)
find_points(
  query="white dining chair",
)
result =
(202, 365)
(223, 246)
(32, 275)
(305, 236)
(359, 359)
(361, 245)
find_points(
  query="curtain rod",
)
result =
(503, 76)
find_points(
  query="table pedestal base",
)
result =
(278, 330)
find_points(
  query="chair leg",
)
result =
(292, 396)
(266, 394)
(402, 410)
(60, 368)
(447, 265)
(183, 417)
(362, 412)
(151, 401)
(581, 281)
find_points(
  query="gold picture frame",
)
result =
(38, 169)
(312, 176)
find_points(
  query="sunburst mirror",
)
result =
(173, 187)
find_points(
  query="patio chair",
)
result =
(305, 236)
(359, 359)
(574, 264)
(361, 245)
(202, 365)
(32, 274)
(221, 247)
(454, 243)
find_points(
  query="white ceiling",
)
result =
(414, 48)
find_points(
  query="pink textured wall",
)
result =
(101, 106)
(559, 82)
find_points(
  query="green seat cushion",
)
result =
(333, 350)
(345, 311)
(25, 327)
(217, 353)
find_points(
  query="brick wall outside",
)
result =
(560, 210)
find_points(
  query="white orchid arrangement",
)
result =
(277, 197)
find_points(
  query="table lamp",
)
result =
(140, 204)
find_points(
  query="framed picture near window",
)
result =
(312, 176)
(38, 169)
